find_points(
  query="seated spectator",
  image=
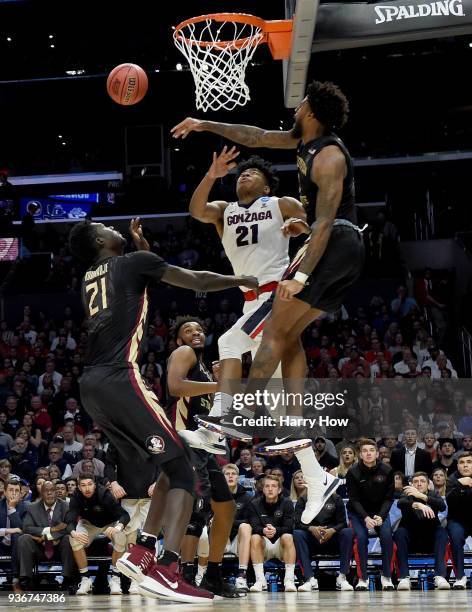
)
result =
(38, 483)
(35, 437)
(402, 305)
(244, 463)
(25, 491)
(288, 463)
(12, 512)
(50, 375)
(13, 415)
(430, 445)
(102, 442)
(77, 415)
(71, 484)
(239, 542)
(6, 441)
(400, 482)
(433, 365)
(55, 458)
(257, 466)
(447, 448)
(54, 472)
(277, 472)
(355, 363)
(44, 536)
(351, 435)
(298, 486)
(41, 417)
(93, 511)
(327, 461)
(61, 490)
(370, 488)
(347, 457)
(23, 459)
(327, 533)
(91, 440)
(465, 423)
(420, 530)
(72, 448)
(411, 458)
(88, 454)
(271, 520)
(439, 479)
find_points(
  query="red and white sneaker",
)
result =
(136, 563)
(165, 582)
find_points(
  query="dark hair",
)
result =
(87, 476)
(263, 166)
(463, 455)
(328, 104)
(82, 242)
(13, 481)
(181, 321)
(366, 442)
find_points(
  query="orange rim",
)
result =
(277, 32)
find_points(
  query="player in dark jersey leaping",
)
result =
(323, 270)
(115, 297)
(191, 387)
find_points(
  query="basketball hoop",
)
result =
(219, 47)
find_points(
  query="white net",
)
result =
(218, 54)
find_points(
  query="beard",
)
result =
(296, 131)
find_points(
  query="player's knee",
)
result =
(245, 529)
(233, 343)
(256, 540)
(195, 527)
(286, 538)
(180, 474)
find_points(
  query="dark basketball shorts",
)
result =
(336, 272)
(119, 400)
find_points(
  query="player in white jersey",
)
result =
(255, 233)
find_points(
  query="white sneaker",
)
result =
(318, 491)
(289, 586)
(441, 583)
(85, 586)
(204, 439)
(362, 585)
(259, 586)
(387, 584)
(460, 584)
(404, 584)
(240, 584)
(133, 588)
(308, 586)
(342, 584)
(115, 585)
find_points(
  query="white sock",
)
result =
(309, 463)
(289, 572)
(221, 404)
(259, 571)
(201, 569)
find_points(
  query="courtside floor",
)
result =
(278, 602)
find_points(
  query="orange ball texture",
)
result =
(127, 84)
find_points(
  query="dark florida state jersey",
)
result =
(306, 154)
(181, 410)
(115, 298)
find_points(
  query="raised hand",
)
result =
(182, 129)
(223, 163)
(136, 231)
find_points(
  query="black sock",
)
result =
(188, 570)
(148, 541)
(168, 557)
(213, 570)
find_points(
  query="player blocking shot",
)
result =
(114, 394)
(323, 270)
(255, 231)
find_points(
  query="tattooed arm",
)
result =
(247, 135)
(328, 172)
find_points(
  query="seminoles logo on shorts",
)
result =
(278, 513)
(155, 445)
(379, 478)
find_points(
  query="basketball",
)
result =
(127, 84)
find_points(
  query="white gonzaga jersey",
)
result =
(253, 241)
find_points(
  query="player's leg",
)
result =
(289, 556)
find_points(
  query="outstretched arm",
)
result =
(205, 281)
(328, 173)
(200, 208)
(247, 135)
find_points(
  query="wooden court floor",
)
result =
(278, 602)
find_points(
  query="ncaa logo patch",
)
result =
(379, 478)
(155, 444)
(278, 513)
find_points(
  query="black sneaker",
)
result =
(222, 425)
(220, 588)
